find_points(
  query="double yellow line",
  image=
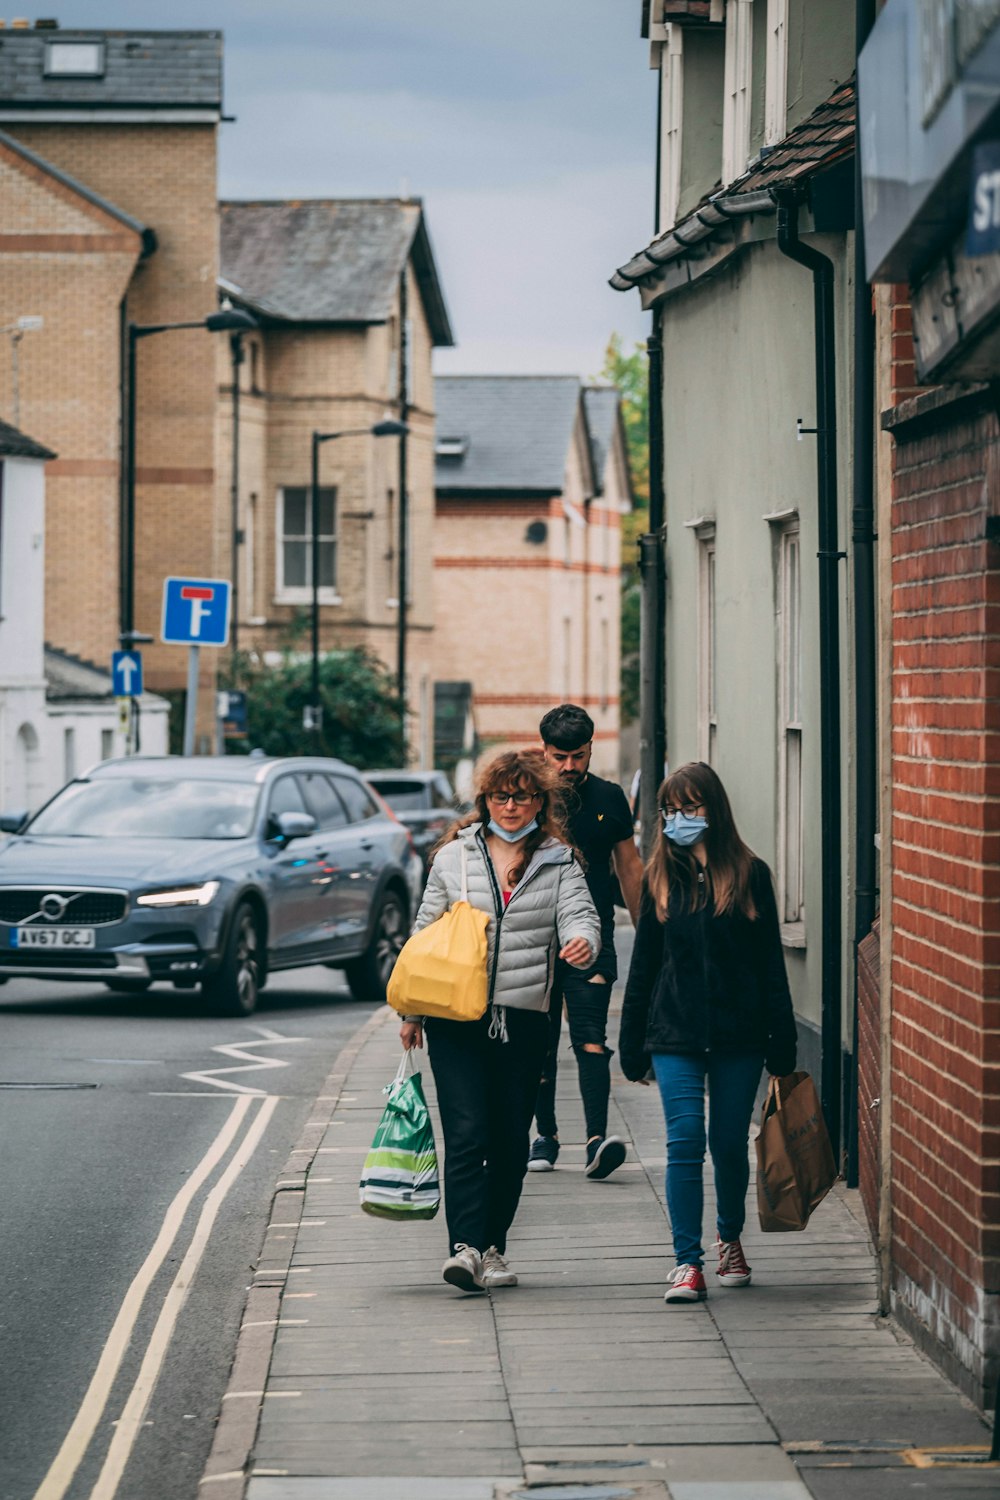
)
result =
(80, 1435)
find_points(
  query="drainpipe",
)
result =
(863, 561)
(829, 651)
(652, 653)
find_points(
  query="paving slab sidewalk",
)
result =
(385, 1384)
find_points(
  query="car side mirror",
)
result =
(286, 826)
(13, 822)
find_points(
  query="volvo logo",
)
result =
(53, 906)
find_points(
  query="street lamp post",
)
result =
(237, 357)
(313, 716)
(230, 319)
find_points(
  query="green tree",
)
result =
(362, 718)
(629, 372)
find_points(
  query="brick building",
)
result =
(108, 207)
(531, 481)
(323, 278)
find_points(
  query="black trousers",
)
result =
(587, 1005)
(486, 1095)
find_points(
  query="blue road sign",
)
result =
(983, 233)
(126, 674)
(195, 611)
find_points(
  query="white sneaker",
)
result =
(496, 1271)
(464, 1269)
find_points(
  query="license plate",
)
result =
(52, 937)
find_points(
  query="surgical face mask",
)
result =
(515, 836)
(681, 829)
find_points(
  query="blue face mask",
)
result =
(681, 829)
(517, 835)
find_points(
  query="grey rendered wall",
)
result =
(815, 69)
(738, 370)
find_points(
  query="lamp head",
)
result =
(389, 428)
(231, 320)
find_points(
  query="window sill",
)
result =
(304, 596)
(793, 934)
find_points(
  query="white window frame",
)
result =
(788, 643)
(708, 641)
(776, 73)
(738, 83)
(671, 124)
(297, 593)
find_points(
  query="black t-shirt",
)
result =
(599, 818)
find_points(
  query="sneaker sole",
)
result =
(510, 1280)
(684, 1299)
(463, 1279)
(541, 1166)
(610, 1157)
(733, 1280)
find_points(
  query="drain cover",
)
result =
(49, 1085)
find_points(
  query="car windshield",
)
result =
(137, 807)
(403, 796)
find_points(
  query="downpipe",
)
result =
(829, 555)
(652, 619)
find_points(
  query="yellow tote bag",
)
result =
(441, 970)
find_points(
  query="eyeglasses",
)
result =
(519, 799)
(689, 810)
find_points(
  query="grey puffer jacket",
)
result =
(550, 904)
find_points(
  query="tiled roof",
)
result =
(818, 143)
(515, 430)
(601, 404)
(69, 677)
(15, 444)
(329, 260)
(147, 69)
(146, 235)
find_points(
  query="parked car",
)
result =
(423, 800)
(212, 871)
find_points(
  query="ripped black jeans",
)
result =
(587, 993)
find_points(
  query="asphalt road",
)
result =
(90, 1173)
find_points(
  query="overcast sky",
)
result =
(527, 127)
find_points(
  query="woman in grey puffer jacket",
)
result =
(521, 869)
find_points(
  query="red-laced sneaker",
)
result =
(687, 1284)
(732, 1269)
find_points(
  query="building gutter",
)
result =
(701, 225)
(829, 556)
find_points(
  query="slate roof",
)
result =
(601, 403)
(69, 678)
(146, 235)
(16, 444)
(142, 69)
(518, 429)
(818, 143)
(328, 260)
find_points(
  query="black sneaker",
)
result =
(543, 1154)
(604, 1156)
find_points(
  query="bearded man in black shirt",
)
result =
(600, 825)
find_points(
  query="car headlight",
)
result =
(181, 895)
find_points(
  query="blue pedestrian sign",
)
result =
(126, 674)
(195, 611)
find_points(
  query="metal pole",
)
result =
(404, 413)
(236, 350)
(128, 593)
(191, 702)
(314, 510)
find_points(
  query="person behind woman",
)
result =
(522, 870)
(706, 1001)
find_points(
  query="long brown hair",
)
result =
(519, 771)
(730, 860)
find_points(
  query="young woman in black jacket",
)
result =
(707, 1001)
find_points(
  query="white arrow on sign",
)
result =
(128, 667)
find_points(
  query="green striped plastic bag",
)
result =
(400, 1175)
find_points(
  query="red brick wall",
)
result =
(869, 1045)
(946, 880)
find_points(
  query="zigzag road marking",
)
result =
(217, 1077)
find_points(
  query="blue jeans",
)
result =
(732, 1087)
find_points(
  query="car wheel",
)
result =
(128, 986)
(233, 989)
(368, 975)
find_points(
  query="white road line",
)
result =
(218, 1077)
(66, 1462)
(131, 1421)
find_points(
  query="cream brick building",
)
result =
(323, 277)
(108, 215)
(531, 480)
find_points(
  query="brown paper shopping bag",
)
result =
(795, 1163)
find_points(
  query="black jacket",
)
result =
(701, 983)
